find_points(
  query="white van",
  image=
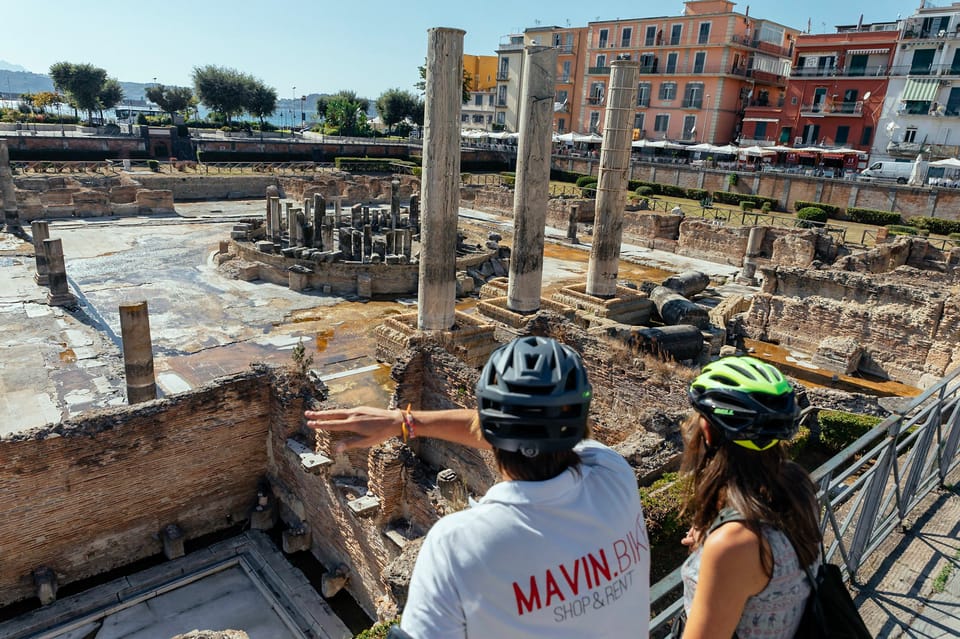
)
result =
(899, 171)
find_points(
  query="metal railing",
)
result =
(834, 108)
(868, 489)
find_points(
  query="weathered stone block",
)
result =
(159, 201)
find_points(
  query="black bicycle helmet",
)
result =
(533, 396)
(749, 401)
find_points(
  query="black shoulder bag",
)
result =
(830, 612)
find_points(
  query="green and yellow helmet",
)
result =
(749, 401)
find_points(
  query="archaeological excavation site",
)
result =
(162, 338)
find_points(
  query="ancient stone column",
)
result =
(272, 192)
(755, 240)
(319, 214)
(414, 211)
(337, 211)
(137, 352)
(407, 243)
(365, 219)
(367, 242)
(40, 232)
(603, 267)
(11, 218)
(573, 223)
(441, 180)
(394, 203)
(356, 215)
(326, 234)
(290, 220)
(533, 179)
(357, 245)
(59, 294)
(276, 233)
(296, 231)
(345, 243)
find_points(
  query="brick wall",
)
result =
(92, 493)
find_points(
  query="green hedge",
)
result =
(697, 194)
(727, 197)
(585, 180)
(643, 191)
(955, 237)
(935, 225)
(839, 429)
(377, 165)
(633, 185)
(812, 214)
(873, 216)
(900, 229)
(747, 205)
(565, 176)
(830, 209)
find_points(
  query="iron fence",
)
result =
(867, 490)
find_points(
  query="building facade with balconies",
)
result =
(509, 81)
(836, 91)
(569, 42)
(698, 70)
(921, 112)
(479, 112)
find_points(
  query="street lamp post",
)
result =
(293, 98)
(706, 117)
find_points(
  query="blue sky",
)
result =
(323, 46)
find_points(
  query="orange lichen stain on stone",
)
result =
(68, 356)
(323, 339)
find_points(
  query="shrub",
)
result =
(584, 180)
(831, 210)
(564, 176)
(812, 214)
(633, 185)
(900, 229)
(374, 165)
(839, 429)
(955, 237)
(732, 179)
(726, 197)
(661, 502)
(672, 190)
(747, 205)
(508, 180)
(873, 216)
(154, 165)
(643, 191)
(379, 630)
(697, 194)
(765, 207)
(935, 225)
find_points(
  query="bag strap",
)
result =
(725, 516)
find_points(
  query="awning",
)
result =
(761, 120)
(921, 90)
(867, 51)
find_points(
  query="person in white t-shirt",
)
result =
(559, 548)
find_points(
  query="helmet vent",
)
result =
(530, 360)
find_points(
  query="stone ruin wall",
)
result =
(908, 332)
(499, 200)
(85, 196)
(92, 494)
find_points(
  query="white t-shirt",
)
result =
(564, 558)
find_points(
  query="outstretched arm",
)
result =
(374, 426)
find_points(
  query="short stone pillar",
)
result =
(333, 582)
(748, 274)
(59, 294)
(356, 216)
(45, 582)
(272, 192)
(296, 538)
(319, 214)
(394, 203)
(452, 490)
(573, 223)
(276, 232)
(172, 538)
(407, 243)
(414, 211)
(345, 242)
(883, 234)
(367, 242)
(364, 286)
(40, 231)
(356, 245)
(337, 211)
(137, 352)
(755, 241)
(262, 516)
(11, 216)
(326, 234)
(365, 219)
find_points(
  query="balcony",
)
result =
(929, 69)
(835, 108)
(692, 104)
(595, 100)
(503, 76)
(563, 79)
(915, 31)
(874, 70)
(598, 71)
(766, 47)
